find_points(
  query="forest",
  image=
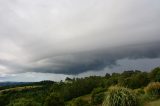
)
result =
(129, 88)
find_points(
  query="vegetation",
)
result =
(154, 103)
(54, 99)
(153, 89)
(97, 96)
(120, 96)
(126, 89)
(24, 102)
(78, 102)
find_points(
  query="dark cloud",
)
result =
(98, 60)
(73, 37)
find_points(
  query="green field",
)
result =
(19, 88)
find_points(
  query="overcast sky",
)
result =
(52, 39)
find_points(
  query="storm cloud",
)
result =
(75, 36)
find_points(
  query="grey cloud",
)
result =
(98, 60)
(71, 37)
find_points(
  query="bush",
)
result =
(119, 96)
(145, 99)
(78, 102)
(139, 91)
(155, 74)
(153, 89)
(24, 102)
(97, 96)
(54, 100)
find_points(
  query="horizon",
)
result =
(77, 76)
(51, 40)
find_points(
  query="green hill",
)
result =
(88, 91)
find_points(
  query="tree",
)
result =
(127, 73)
(107, 75)
(135, 81)
(68, 79)
(155, 74)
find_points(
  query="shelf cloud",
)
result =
(76, 36)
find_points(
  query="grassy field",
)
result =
(19, 88)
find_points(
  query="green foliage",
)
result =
(97, 96)
(24, 102)
(139, 91)
(119, 96)
(107, 75)
(154, 103)
(79, 102)
(127, 73)
(54, 99)
(76, 87)
(111, 81)
(155, 75)
(4, 99)
(68, 79)
(153, 89)
(134, 80)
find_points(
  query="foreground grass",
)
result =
(85, 98)
(154, 103)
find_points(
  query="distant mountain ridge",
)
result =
(9, 83)
(13, 83)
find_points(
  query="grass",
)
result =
(120, 96)
(153, 103)
(86, 97)
(19, 88)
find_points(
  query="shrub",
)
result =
(24, 102)
(139, 91)
(97, 96)
(54, 99)
(153, 89)
(145, 98)
(120, 96)
(155, 74)
(78, 102)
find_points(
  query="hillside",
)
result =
(88, 91)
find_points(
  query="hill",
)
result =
(88, 91)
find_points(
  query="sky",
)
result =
(55, 39)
